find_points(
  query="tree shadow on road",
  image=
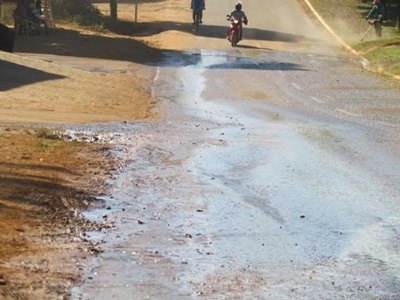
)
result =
(214, 31)
(125, 47)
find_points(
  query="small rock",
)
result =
(302, 216)
(3, 281)
(140, 222)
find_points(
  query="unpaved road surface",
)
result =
(273, 175)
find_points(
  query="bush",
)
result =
(81, 11)
(7, 13)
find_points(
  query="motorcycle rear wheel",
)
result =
(234, 39)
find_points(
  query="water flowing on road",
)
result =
(233, 197)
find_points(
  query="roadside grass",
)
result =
(45, 145)
(383, 54)
(45, 140)
(348, 21)
(48, 134)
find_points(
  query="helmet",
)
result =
(238, 6)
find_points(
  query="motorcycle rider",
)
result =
(198, 6)
(238, 14)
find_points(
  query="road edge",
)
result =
(363, 61)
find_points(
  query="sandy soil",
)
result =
(42, 91)
(71, 76)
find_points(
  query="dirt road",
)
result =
(270, 173)
(272, 176)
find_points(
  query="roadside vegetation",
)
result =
(85, 13)
(6, 13)
(79, 12)
(347, 18)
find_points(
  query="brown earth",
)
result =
(44, 183)
(72, 76)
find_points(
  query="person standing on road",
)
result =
(197, 7)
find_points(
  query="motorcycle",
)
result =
(235, 30)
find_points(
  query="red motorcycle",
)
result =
(234, 30)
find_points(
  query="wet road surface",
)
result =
(271, 195)
(274, 175)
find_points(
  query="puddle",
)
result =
(229, 60)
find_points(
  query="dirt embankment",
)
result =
(44, 184)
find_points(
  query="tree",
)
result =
(398, 13)
(113, 10)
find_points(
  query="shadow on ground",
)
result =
(214, 31)
(14, 75)
(67, 42)
(38, 185)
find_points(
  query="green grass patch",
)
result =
(347, 19)
(384, 54)
(387, 57)
(45, 145)
(46, 140)
(46, 134)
